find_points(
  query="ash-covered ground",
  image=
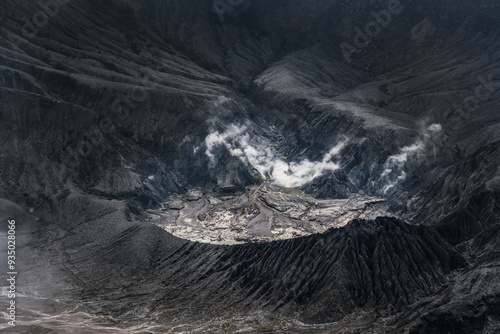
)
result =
(250, 166)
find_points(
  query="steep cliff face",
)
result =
(289, 118)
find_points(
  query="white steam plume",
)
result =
(260, 156)
(394, 166)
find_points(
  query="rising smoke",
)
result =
(394, 167)
(260, 156)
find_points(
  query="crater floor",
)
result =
(263, 213)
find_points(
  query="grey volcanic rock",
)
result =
(264, 213)
(322, 277)
(252, 125)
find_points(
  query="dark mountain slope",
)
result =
(106, 111)
(325, 277)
